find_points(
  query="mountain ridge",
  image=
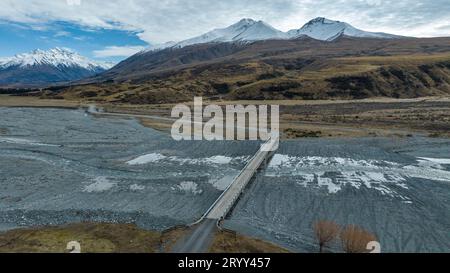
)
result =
(249, 30)
(325, 29)
(55, 56)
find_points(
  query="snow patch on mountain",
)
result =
(249, 30)
(243, 31)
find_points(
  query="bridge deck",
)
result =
(226, 201)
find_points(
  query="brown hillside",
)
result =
(277, 69)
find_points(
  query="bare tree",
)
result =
(326, 232)
(355, 239)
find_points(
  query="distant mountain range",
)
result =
(251, 60)
(40, 67)
(248, 30)
(61, 66)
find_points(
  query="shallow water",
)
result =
(59, 166)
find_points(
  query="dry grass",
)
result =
(118, 238)
(163, 126)
(355, 239)
(230, 242)
(412, 58)
(15, 101)
(326, 232)
(338, 69)
(94, 238)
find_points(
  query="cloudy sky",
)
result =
(114, 29)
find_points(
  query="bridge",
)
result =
(201, 237)
(226, 201)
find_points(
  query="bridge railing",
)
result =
(247, 180)
(228, 188)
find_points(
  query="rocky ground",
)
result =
(397, 189)
(62, 166)
(65, 166)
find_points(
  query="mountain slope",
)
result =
(328, 30)
(40, 68)
(144, 63)
(302, 68)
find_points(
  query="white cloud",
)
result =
(117, 51)
(62, 33)
(159, 21)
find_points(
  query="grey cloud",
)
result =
(165, 20)
(447, 27)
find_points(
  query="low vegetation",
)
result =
(353, 239)
(231, 242)
(326, 232)
(296, 133)
(94, 238)
(118, 238)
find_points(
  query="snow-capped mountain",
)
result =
(242, 31)
(328, 30)
(248, 30)
(45, 67)
(58, 57)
